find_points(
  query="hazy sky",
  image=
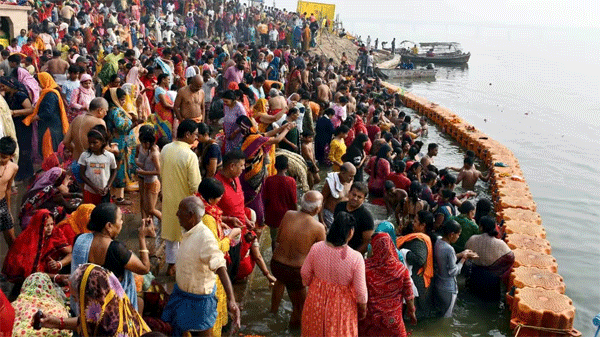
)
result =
(561, 13)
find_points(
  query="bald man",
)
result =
(193, 305)
(324, 94)
(335, 190)
(189, 103)
(298, 231)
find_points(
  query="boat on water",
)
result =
(408, 73)
(443, 53)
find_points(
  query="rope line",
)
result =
(539, 328)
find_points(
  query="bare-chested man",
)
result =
(469, 174)
(76, 136)
(277, 103)
(189, 103)
(336, 188)
(432, 151)
(323, 92)
(57, 67)
(298, 231)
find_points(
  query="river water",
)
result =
(536, 90)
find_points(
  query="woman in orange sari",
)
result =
(51, 115)
(163, 107)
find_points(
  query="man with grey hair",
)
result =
(193, 305)
(298, 231)
(277, 103)
(76, 137)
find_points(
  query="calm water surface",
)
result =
(535, 90)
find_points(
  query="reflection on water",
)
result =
(471, 316)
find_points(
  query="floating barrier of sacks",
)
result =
(538, 306)
(528, 242)
(522, 227)
(520, 214)
(523, 276)
(529, 258)
(539, 312)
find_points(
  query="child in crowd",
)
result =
(308, 153)
(337, 147)
(98, 167)
(8, 169)
(149, 169)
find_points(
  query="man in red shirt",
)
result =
(232, 202)
(279, 196)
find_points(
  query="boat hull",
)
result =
(409, 73)
(441, 59)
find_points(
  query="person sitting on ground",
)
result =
(389, 286)
(494, 263)
(100, 247)
(49, 192)
(40, 293)
(364, 219)
(192, 306)
(298, 232)
(465, 220)
(335, 275)
(279, 196)
(117, 314)
(41, 247)
(469, 175)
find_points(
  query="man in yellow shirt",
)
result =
(181, 173)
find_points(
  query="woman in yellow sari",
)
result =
(211, 190)
(103, 306)
(51, 115)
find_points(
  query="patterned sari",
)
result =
(39, 293)
(104, 308)
(163, 116)
(40, 196)
(255, 173)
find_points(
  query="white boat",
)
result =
(408, 73)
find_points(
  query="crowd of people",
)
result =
(220, 118)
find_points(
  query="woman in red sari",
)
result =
(163, 117)
(39, 248)
(389, 285)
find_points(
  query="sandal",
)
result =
(123, 202)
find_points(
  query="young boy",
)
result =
(337, 147)
(308, 153)
(8, 170)
(469, 175)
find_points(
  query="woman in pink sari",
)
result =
(141, 100)
(81, 97)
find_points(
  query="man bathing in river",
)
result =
(298, 231)
(469, 174)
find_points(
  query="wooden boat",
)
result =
(444, 53)
(408, 73)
